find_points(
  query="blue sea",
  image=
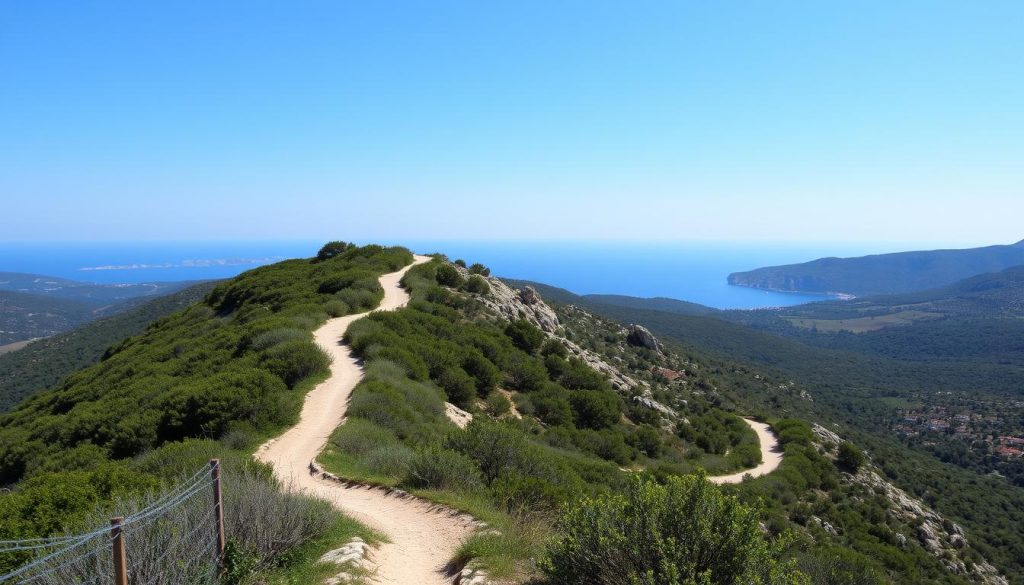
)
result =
(690, 271)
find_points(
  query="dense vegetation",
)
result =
(547, 428)
(47, 361)
(860, 392)
(212, 380)
(685, 531)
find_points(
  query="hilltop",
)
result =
(900, 272)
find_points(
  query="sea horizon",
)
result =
(693, 271)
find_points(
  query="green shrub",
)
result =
(482, 370)
(606, 444)
(360, 299)
(685, 532)
(480, 269)
(579, 376)
(354, 278)
(413, 411)
(498, 404)
(437, 468)
(458, 386)
(332, 249)
(390, 460)
(269, 339)
(525, 374)
(448, 276)
(524, 335)
(555, 365)
(359, 436)
(647, 440)
(552, 405)
(496, 447)
(524, 495)
(294, 361)
(554, 347)
(477, 285)
(850, 457)
(595, 409)
(413, 364)
(336, 308)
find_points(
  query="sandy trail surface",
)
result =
(422, 539)
(771, 455)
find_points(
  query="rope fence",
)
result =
(177, 539)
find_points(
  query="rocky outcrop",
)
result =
(352, 559)
(653, 404)
(510, 304)
(618, 380)
(642, 337)
(942, 538)
(518, 304)
(460, 417)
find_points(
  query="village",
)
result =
(997, 430)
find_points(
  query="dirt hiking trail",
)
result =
(771, 455)
(422, 539)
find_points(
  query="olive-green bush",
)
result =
(683, 532)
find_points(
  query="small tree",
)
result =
(850, 457)
(524, 335)
(684, 532)
(477, 285)
(480, 269)
(332, 249)
(448, 276)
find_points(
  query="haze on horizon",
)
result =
(875, 121)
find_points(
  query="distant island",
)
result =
(881, 274)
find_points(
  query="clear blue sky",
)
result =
(785, 121)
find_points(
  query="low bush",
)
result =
(498, 404)
(436, 468)
(480, 269)
(268, 339)
(458, 386)
(294, 361)
(524, 335)
(477, 285)
(850, 457)
(595, 409)
(447, 275)
(337, 308)
(683, 532)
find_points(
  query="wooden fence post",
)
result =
(120, 556)
(218, 512)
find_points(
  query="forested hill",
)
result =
(46, 361)
(34, 306)
(862, 380)
(884, 273)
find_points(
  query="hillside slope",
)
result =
(862, 393)
(884, 273)
(46, 361)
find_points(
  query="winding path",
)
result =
(422, 539)
(771, 455)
